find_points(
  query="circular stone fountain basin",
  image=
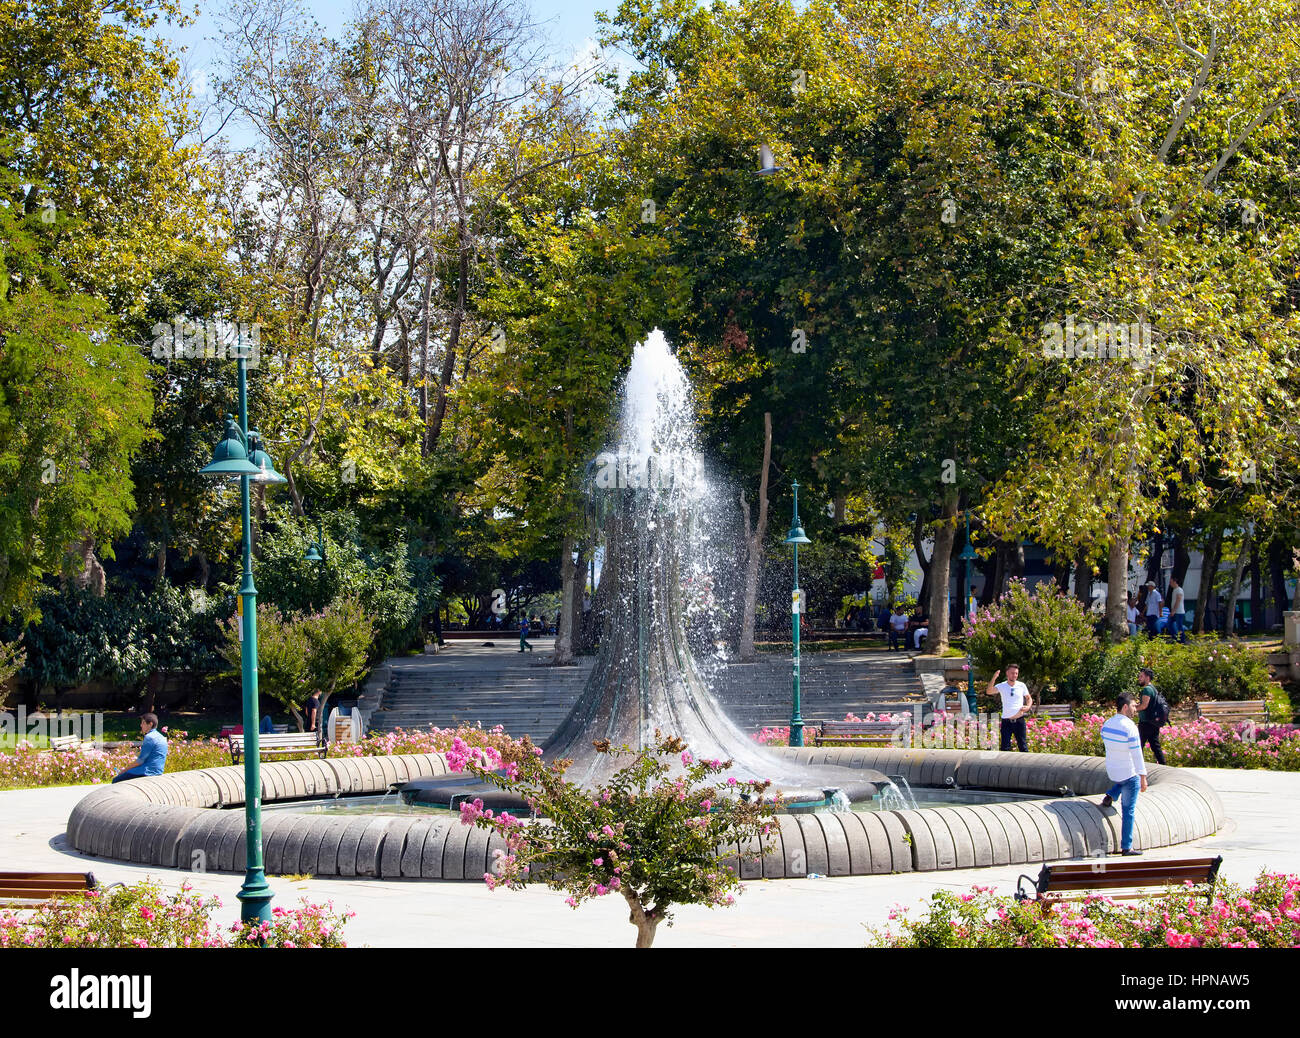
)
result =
(174, 820)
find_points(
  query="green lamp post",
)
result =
(796, 537)
(968, 556)
(240, 453)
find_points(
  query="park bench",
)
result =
(30, 889)
(873, 733)
(65, 743)
(1228, 712)
(235, 729)
(1057, 711)
(288, 744)
(1124, 878)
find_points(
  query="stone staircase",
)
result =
(498, 685)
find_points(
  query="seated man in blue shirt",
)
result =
(153, 751)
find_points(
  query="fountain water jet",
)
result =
(652, 498)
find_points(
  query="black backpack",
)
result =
(1157, 709)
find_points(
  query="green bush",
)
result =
(1046, 632)
(381, 580)
(299, 655)
(121, 638)
(1202, 668)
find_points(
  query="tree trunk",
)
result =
(574, 614)
(754, 540)
(1209, 567)
(1256, 591)
(988, 569)
(646, 923)
(1015, 561)
(92, 575)
(160, 574)
(205, 570)
(1061, 576)
(1277, 576)
(1230, 607)
(1117, 587)
(453, 336)
(1083, 579)
(918, 528)
(940, 566)
(1157, 554)
(568, 588)
(1182, 558)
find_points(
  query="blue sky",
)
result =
(568, 24)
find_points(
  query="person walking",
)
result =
(523, 635)
(1016, 704)
(153, 752)
(1125, 767)
(1153, 604)
(1177, 611)
(1153, 713)
(898, 629)
(312, 710)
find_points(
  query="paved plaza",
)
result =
(1260, 833)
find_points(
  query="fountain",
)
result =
(650, 495)
(928, 809)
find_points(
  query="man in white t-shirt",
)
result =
(1125, 766)
(898, 629)
(1177, 611)
(1016, 704)
(1154, 601)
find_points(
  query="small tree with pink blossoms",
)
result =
(658, 833)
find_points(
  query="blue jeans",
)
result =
(1126, 793)
(1177, 625)
(130, 773)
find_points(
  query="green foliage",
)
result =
(12, 659)
(379, 579)
(1201, 668)
(657, 832)
(1048, 633)
(302, 654)
(120, 638)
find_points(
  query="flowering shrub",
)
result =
(452, 741)
(1201, 743)
(29, 768)
(655, 833)
(1047, 632)
(145, 916)
(1265, 916)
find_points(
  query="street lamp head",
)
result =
(265, 466)
(230, 458)
(797, 536)
(313, 554)
(968, 552)
(766, 161)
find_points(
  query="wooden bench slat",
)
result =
(1056, 880)
(275, 745)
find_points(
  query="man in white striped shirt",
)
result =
(1125, 766)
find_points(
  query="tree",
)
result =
(303, 655)
(662, 832)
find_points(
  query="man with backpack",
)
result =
(1153, 714)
